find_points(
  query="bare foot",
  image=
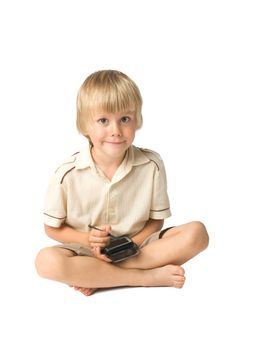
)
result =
(166, 276)
(86, 291)
(169, 275)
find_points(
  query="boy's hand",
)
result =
(99, 239)
(96, 251)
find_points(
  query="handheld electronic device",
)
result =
(119, 248)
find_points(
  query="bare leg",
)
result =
(88, 272)
(156, 265)
(177, 246)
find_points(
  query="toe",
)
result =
(180, 271)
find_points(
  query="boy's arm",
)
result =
(66, 234)
(151, 226)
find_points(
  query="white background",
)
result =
(194, 62)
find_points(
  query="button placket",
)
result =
(108, 185)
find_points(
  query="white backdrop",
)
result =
(194, 62)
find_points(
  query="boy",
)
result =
(116, 188)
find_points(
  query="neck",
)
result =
(107, 165)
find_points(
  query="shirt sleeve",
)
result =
(160, 206)
(55, 208)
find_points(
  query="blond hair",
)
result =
(107, 91)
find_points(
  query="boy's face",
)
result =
(112, 133)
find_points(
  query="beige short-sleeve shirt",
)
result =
(79, 194)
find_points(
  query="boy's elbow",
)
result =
(49, 230)
(158, 224)
(46, 228)
(161, 224)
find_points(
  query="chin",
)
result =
(116, 150)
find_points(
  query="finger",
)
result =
(100, 233)
(102, 238)
(105, 258)
(97, 253)
(99, 241)
(106, 228)
(95, 245)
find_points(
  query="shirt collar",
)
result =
(84, 159)
(137, 157)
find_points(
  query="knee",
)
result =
(49, 263)
(198, 235)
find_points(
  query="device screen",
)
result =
(118, 242)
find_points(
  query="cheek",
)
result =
(95, 133)
(131, 132)
(133, 136)
(130, 135)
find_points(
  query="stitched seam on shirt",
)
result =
(160, 209)
(66, 174)
(155, 163)
(55, 217)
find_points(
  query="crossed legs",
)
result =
(158, 263)
(178, 245)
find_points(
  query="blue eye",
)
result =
(125, 120)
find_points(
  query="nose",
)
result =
(116, 129)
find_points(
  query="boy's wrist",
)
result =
(136, 240)
(85, 239)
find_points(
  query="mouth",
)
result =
(117, 143)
